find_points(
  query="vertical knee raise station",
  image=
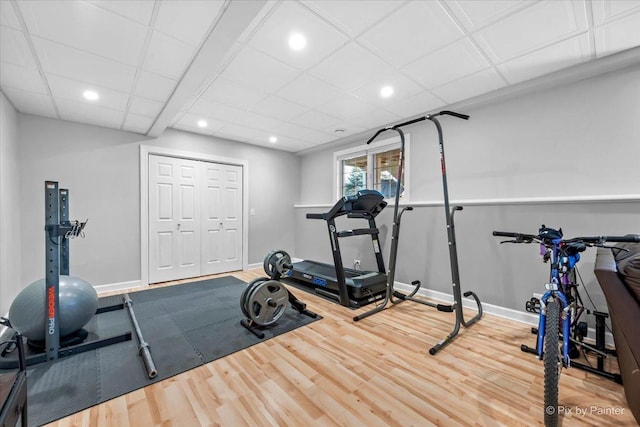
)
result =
(397, 297)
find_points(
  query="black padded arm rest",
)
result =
(622, 304)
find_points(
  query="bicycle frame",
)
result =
(561, 290)
(556, 289)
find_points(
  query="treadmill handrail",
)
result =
(348, 205)
(357, 232)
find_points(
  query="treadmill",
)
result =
(351, 288)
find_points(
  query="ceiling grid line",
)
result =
(469, 36)
(145, 47)
(32, 50)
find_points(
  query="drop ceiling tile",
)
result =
(618, 35)
(236, 132)
(416, 105)
(537, 26)
(291, 145)
(190, 122)
(263, 141)
(345, 106)
(257, 121)
(467, 87)
(167, 56)
(154, 86)
(300, 132)
(216, 110)
(314, 137)
(14, 48)
(86, 27)
(78, 65)
(30, 102)
(318, 120)
(375, 119)
(63, 88)
(410, 32)
(449, 63)
(309, 91)
(192, 129)
(268, 77)
(353, 16)
(17, 77)
(403, 88)
(350, 67)
(8, 16)
(91, 114)
(290, 17)
(188, 20)
(139, 11)
(604, 11)
(474, 14)
(227, 92)
(274, 106)
(137, 124)
(544, 61)
(145, 107)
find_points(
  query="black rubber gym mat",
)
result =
(185, 325)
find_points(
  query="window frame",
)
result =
(370, 151)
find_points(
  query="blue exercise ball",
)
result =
(78, 302)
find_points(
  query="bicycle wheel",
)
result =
(551, 364)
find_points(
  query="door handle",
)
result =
(178, 227)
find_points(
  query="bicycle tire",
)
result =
(551, 364)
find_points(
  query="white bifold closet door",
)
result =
(195, 218)
(221, 218)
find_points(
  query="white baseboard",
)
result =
(111, 287)
(254, 265)
(530, 319)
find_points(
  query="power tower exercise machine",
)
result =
(393, 296)
(349, 287)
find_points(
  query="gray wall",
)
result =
(572, 141)
(101, 169)
(10, 223)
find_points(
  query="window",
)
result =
(372, 167)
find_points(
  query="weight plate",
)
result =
(276, 263)
(267, 302)
(244, 297)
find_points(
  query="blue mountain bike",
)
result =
(559, 306)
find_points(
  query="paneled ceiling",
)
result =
(229, 66)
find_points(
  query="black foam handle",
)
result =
(376, 135)
(629, 238)
(506, 234)
(454, 114)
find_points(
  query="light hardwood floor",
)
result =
(376, 372)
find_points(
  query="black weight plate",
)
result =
(244, 297)
(274, 263)
(267, 302)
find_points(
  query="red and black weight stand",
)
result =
(57, 229)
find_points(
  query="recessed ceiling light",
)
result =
(273, 139)
(202, 123)
(297, 41)
(386, 91)
(90, 95)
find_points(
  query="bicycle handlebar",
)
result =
(528, 238)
